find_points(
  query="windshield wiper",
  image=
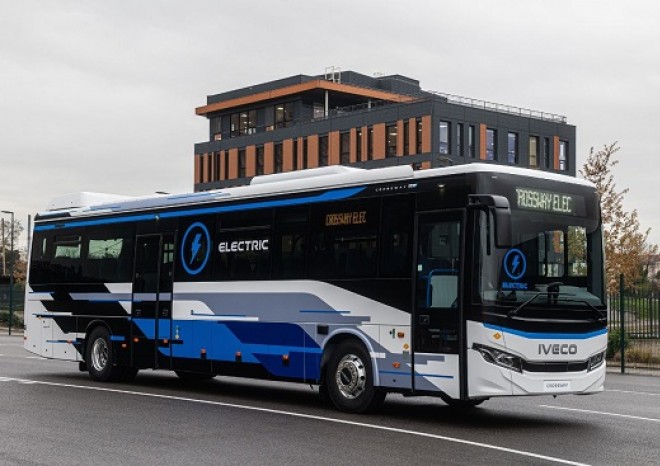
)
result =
(552, 290)
(601, 314)
(515, 311)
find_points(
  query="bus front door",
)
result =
(436, 314)
(151, 308)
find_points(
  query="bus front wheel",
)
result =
(349, 379)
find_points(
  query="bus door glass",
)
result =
(436, 315)
(152, 300)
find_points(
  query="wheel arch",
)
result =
(336, 337)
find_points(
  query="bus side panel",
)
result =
(437, 373)
(34, 340)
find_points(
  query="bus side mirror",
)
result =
(500, 208)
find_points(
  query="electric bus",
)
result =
(464, 282)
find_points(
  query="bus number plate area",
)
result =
(556, 385)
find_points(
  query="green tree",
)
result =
(626, 245)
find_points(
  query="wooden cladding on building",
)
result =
(355, 145)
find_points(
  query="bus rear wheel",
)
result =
(349, 379)
(98, 358)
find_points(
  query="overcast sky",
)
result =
(100, 96)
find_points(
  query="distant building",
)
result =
(352, 119)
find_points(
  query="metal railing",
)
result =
(510, 109)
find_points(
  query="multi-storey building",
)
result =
(351, 119)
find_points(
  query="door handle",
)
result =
(424, 319)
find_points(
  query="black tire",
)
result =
(349, 379)
(192, 377)
(99, 357)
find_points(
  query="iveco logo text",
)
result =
(558, 349)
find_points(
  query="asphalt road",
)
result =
(51, 414)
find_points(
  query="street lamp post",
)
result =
(11, 270)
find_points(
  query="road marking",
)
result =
(633, 392)
(303, 416)
(602, 413)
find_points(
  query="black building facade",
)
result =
(352, 119)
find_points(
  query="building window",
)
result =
(216, 157)
(279, 155)
(406, 138)
(444, 137)
(295, 155)
(533, 151)
(243, 123)
(563, 155)
(234, 119)
(392, 135)
(241, 163)
(323, 151)
(460, 133)
(491, 144)
(471, 144)
(547, 152)
(304, 154)
(512, 148)
(418, 123)
(318, 110)
(284, 115)
(216, 129)
(358, 135)
(370, 144)
(345, 148)
(260, 160)
(225, 164)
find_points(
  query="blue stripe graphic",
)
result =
(547, 336)
(333, 195)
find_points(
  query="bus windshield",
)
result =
(554, 262)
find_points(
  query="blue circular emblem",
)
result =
(195, 248)
(515, 264)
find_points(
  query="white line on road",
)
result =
(602, 413)
(304, 416)
(632, 392)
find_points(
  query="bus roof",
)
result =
(82, 204)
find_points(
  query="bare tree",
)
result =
(5, 244)
(626, 247)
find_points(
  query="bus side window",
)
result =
(396, 237)
(289, 257)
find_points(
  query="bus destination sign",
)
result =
(545, 201)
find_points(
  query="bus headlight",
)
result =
(498, 357)
(596, 361)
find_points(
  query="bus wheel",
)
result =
(349, 379)
(98, 357)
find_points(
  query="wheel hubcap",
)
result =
(99, 354)
(351, 376)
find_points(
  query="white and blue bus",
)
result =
(466, 283)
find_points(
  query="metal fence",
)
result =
(634, 332)
(18, 305)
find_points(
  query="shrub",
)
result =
(614, 342)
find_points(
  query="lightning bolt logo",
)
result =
(515, 263)
(196, 245)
